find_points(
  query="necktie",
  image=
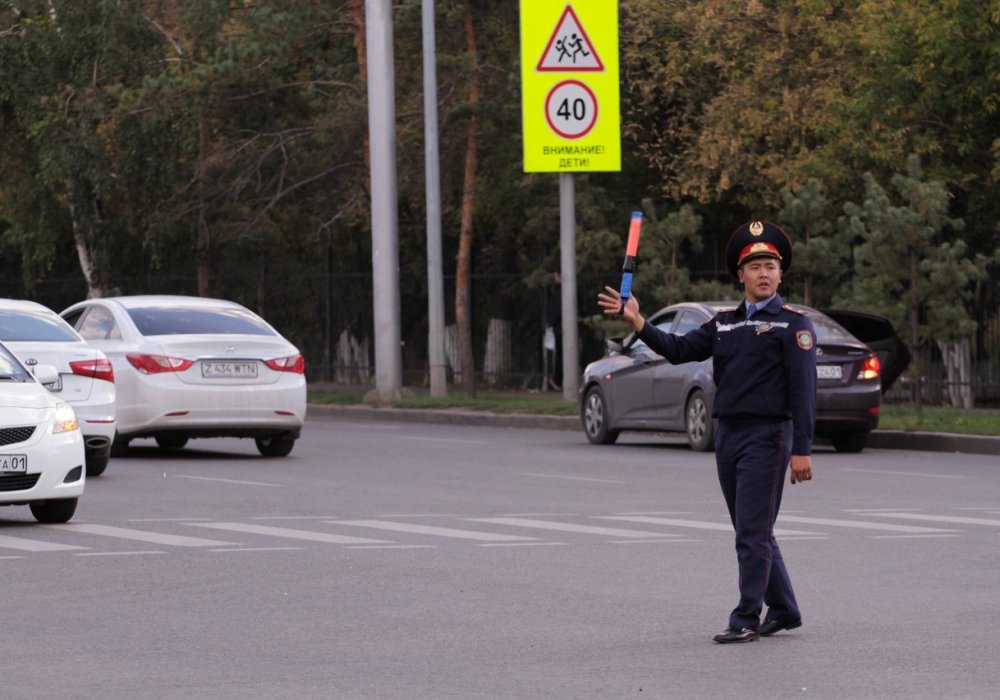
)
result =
(751, 310)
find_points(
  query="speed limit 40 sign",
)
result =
(569, 59)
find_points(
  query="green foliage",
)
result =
(138, 131)
(821, 252)
(907, 265)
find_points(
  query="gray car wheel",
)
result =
(698, 422)
(850, 441)
(594, 415)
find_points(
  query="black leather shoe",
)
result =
(736, 635)
(769, 627)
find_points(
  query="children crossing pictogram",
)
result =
(569, 49)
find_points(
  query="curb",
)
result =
(879, 439)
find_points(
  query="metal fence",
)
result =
(329, 317)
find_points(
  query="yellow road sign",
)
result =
(569, 85)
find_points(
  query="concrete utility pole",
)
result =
(385, 224)
(435, 276)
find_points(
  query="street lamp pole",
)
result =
(385, 223)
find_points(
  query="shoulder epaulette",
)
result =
(787, 307)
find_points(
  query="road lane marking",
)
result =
(229, 481)
(650, 541)
(254, 549)
(571, 527)
(908, 537)
(432, 530)
(139, 535)
(116, 554)
(287, 517)
(437, 440)
(392, 546)
(675, 522)
(896, 473)
(307, 535)
(571, 478)
(861, 525)
(26, 545)
(953, 519)
(523, 544)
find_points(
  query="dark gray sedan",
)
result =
(633, 388)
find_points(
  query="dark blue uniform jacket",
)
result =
(764, 368)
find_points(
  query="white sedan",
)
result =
(37, 335)
(190, 367)
(41, 449)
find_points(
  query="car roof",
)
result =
(24, 305)
(139, 300)
(824, 324)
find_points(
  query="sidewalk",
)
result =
(879, 439)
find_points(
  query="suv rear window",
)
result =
(828, 330)
(29, 326)
(163, 320)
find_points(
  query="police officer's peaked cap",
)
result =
(757, 239)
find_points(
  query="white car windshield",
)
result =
(166, 320)
(10, 368)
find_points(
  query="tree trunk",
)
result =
(917, 369)
(957, 356)
(463, 310)
(497, 359)
(85, 254)
(202, 246)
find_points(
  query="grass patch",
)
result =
(548, 404)
(940, 419)
(979, 421)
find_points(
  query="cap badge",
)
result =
(756, 228)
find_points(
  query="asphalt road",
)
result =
(389, 559)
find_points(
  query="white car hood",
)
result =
(27, 395)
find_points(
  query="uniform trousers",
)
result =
(752, 460)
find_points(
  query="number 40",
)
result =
(578, 112)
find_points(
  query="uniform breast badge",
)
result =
(764, 328)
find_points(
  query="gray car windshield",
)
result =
(29, 326)
(163, 320)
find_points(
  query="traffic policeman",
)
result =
(764, 364)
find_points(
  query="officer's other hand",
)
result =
(802, 468)
(611, 301)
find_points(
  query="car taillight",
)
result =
(98, 369)
(870, 369)
(292, 363)
(154, 364)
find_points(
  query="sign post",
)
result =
(570, 121)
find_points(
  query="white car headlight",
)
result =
(65, 419)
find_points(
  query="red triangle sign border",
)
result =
(569, 69)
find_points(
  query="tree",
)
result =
(821, 252)
(69, 168)
(910, 269)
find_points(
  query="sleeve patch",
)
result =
(804, 339)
